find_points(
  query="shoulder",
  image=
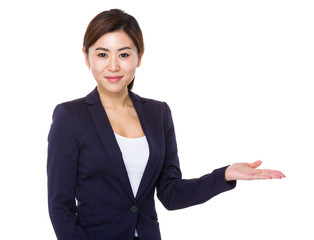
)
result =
(153, 104)
(69, 107)
(72, 111)
(79, 105)
(156, 107)
(73, 104)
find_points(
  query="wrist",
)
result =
(227, 174)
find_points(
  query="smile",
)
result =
(113, 78)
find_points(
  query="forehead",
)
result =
(114, 40)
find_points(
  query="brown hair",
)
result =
(110, 21)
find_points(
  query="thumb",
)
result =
(255, 164)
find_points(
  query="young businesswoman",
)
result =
(109, 151)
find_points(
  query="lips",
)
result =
(113, 79)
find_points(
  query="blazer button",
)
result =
(134, 209)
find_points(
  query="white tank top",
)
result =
(135, 153)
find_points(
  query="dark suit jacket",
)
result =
(89, 193)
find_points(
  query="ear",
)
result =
(86, 58)
(140, 59)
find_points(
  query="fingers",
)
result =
(269, 174)
(273, 172)
(265, 173)
(261, 177)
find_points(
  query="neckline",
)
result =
(138, 138)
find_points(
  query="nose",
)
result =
(113, 65)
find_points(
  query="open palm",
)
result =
(248, 171)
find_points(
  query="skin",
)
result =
(113, 60)
(248, 171)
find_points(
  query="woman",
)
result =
(110, 150)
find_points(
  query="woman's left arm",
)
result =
(175, 192)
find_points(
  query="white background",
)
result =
(238, 76)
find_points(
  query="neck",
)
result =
(114, 100)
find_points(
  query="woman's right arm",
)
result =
(63, 152)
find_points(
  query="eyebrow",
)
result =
(107, 50)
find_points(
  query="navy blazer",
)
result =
(89, 193)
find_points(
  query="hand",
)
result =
(248, 171)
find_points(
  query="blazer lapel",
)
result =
(108, 139)
(151, 130)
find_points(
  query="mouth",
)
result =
(114, 79)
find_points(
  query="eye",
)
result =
(124, 55)
(102, 55)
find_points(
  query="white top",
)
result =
(135, 153)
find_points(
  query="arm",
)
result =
(175, 192)
(61, 169)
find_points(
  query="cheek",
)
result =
(129, 67)
(96, 65)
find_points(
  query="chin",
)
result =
(112, 89)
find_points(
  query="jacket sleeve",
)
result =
(175, 192)
(63, 152)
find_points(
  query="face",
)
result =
(113, 60)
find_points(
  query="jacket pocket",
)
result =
(97, 225)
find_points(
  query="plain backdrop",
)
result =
(238, 76)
